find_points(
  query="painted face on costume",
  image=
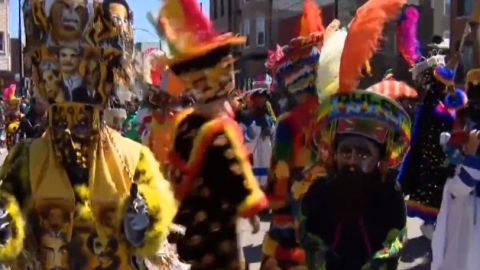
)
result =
(69, 59)
(68, 19)
(51, 79)
(92, 75)
(210, 83)
(54, 252)
(119, 15)
(357, 152)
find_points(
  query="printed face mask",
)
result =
(74, 127)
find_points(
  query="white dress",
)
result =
(456, 239)
(261, 149)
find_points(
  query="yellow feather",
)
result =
(329, 65)
(14, 246)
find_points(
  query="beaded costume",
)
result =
(423, 172)
(82, 196)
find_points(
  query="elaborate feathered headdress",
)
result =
(295, 65)
(367, 113)
(407, 42)
(198, 51)
(364, 34)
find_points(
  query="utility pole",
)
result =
(336, 9)
(20, 47)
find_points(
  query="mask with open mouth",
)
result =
(68, 20)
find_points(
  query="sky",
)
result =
(140, 9)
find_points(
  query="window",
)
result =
(446, 7)
(465, 8)
(214, 9)
(222, 8)
(260, 25)
(246, 31)
(2, 42)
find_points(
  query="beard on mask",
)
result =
(351, 189)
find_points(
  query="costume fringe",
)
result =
(14, 245)
(161, 204)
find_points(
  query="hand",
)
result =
(255, 223)
(137, 219)
(444, 138)
(472, 144)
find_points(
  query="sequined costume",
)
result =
(81, 196)
(211, 173)
(423, 173)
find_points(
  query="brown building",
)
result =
(6, 75)
(251, 18)
(267, 23)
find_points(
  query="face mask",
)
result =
(73, 127)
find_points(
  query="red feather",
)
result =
(196, 21)
(363, 38)
(311, 20)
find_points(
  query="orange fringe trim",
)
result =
(254, 202)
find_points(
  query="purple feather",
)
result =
(407, 42)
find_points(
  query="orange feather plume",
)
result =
(364, 33)
(311, 20)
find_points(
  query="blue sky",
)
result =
(140, 9)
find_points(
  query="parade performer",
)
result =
(162, 109)
(354, 217)
(82, 196)
(258, 128)
(13, 116)
(34, 123)
(455, 240)
(212, 176)
(295, 68)
(423, 173)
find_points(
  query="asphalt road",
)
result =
(416, 255)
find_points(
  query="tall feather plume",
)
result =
(311, 20)
(407, 41)
(182, 22)
(329, 65)
(363, 37)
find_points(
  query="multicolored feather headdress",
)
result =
(366, 113)
(200, 55)
(363, 39)
(295, 65)
(349, 113)
(407, 42)
(189, 33)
